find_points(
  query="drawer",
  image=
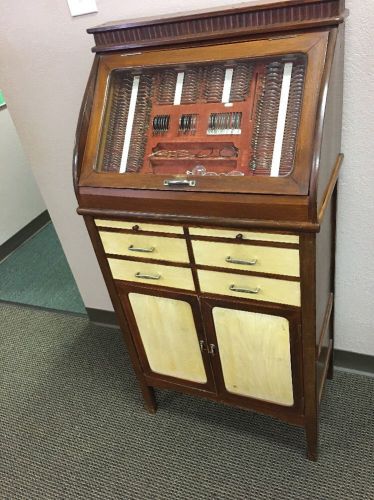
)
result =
(152, 274)
(158, 228)
(143, 245)
(250, 287)
(284, 261)
(244, 235)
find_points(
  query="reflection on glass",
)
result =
(220, 119)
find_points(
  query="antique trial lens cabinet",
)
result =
(206, 160)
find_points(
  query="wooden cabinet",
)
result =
(206, 161)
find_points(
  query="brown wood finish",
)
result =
(147, 391)
(302, 204)
(297, 183)
(82, 125)
(255, 405)
(266, 212)
(308, 325)
(237, 20)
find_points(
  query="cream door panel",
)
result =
(158, 228)
(247, 235)
(284, 261)
(152, 274)
(265, 289)
(169, 337)
(254, 350)
(142, 245)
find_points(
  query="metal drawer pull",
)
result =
(234, 288)
(140, 249)
(181, 182)
(231, 260)
(148, 276)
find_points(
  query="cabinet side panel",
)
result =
(255, 354)
(168, 333)
(325, 258)
(331, 140)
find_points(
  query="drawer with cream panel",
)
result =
(237, 234)
(246, 257)
(250, 287)
(152, 274)
(139, 226)
(145, 246)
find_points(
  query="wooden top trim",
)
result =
(241, 19)
(200, 13)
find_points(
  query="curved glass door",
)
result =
(224, 118)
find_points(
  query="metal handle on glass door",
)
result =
(234, 288)
(232, 260)
(140, 249)
(182, 182)
(148, 276)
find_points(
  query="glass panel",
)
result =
(223, 118)
(254, 350)
(169, 336)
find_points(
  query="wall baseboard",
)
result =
(101, 317)
(344, 360)
(24, 234)
(354, 361)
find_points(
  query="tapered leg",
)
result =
(330, 369)
(311, 433)
(149, 398)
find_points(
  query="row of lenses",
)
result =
(161, 124)
(219, 123)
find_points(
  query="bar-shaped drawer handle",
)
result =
(235, 288)
(148, 276)
(231, 260)
(140, 249)
(179, 182)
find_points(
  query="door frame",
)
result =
(124, 288)
(293, 315)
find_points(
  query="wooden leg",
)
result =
(149, 398)
(330, 369)
(311, 432)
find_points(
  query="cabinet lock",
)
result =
(210, 349)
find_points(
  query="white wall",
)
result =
(355, 239)
(45, 60)
(20, 200)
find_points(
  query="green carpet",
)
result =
(38, 274)
(73, 427)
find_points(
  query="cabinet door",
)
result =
(168, 334)
(256, 353)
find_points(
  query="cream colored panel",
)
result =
(158, 228)
(254, 350)
(266, 289)
(151, 247)
(247, 235)
(264, 259)
(169, 336)
(176, 277)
